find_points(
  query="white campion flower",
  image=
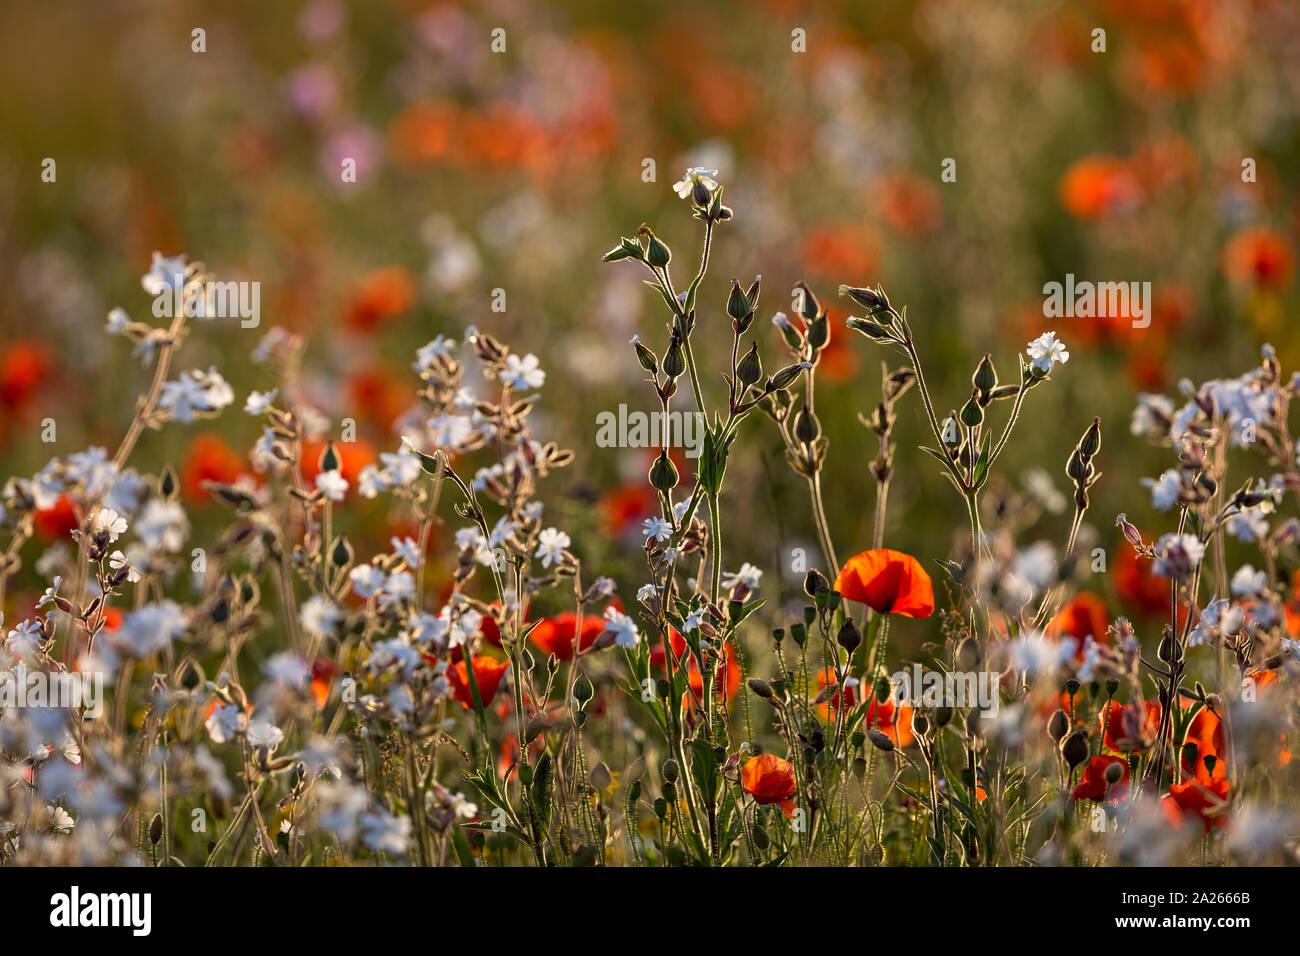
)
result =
(117, 561)
(108, 520)
(403, 467)
(656, 528)
(646, 592)
(162, 525)
(60, 820)
(748, 575)
(25, 639)
(398, 587)
(524, 373)
(1046, 351)
(166, 273)
(695, 174)
(372, 480)
(258, 402)
(622, 627)
(225, 723)
(550, 546)
(151, 628)
(1220, 616)
(333, 484)
(50, 593)
(1177, 555)
(408, 549)
(366, 580)
(1247, 582)
(1165, 490)
(118, 321)
(195, 392)
(692, 620)
(1033, 653)
(384, 832)
(426, 356)
(446, 431)
(263, 733)
(320, 616)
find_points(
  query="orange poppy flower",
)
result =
(1194, 802)
(1206, 734)
(555, 635)
(1097, 186)
(378, 394)
(1127, 728)
(769, 779)
(624, 507)
(894, 721)
(1083, 617)
(1138, 584)
(888, 582)
(322, 673)
(353, 456)
(843, 695)
(381, 295)
(209, 458)
(487, 674)
(1259, 257)
(1092, 785)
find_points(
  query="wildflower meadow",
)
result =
(760, 435)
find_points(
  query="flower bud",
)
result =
(1090, 443)
(814, 581)
(645, 356)
(806, 426)
(750, 368)
(810, 308)
(1075, 748)
(674, 359)
(819, 332)
(657, 254)
(880, 741)
(738, 306)
(1057, 725)
(971, 414)
(663, 473)
(1113, 772)
(669, 771)
(329, 458)
(985, 378)
(761, 688)
(786, 376)
(849, 637)
(872, 330)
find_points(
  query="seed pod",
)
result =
(806, 426)
(985, 378)
(674, 358)
(738, 306)
(1090, 443)
(971, 413)
(849, 637)
(645, 356)
(879, 740)
(669, 771)
(657, 253)
(156, 829)
(663, 473)
(329, 458)
(761, 688)
(814, 581)
(750, 368)
(969, 655)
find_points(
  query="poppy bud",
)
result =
(663, 473)
(879, 740)
(1057, 725)
(799, 632)
(1072, 687)
(669, 771)
(582, 690)
(761, 688)
(1113, 772)
(849, 638)
(156, 829)
(1112, 685)
(806, 426)
(1075, 749)
(750, 368)
(645, 356)
(882, 689)
(674, 359)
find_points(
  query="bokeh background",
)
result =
(517, 170)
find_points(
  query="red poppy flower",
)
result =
(24, 367)
(1083, 617)
(378, 393)
(1205, 734)
(1098, 186)
(889, 582)
(843, 695)
(727, 675)
(1092, 785)
(769, 779)
(1259, 257)
(353, 456)
(555, 635)
(1130, 727)
(1194, 802)
(487, 674)
(209, 458)
(894, 721)
(322, 672)
(54, 523)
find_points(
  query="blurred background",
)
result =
(479, 170)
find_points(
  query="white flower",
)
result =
(1033, 653)
(1218, 617)
(426, 356)
(692, 621)
(319, 616)
(403, 467)
(259, 402)
(1177, 555)
(371, 481)
(693, 175)
(118, 321)
(656, 528)
(1165, 489)
(109, 521)
(225, 723)
(117, 561)
(162, 525)
(523, 373)
(151, 629)
(1247, 525)
(407, 549)
(195, 392)
(550, 546)
(647, 592)
(61, 820)
(165, 273)
(263, 733)
(50, 593)
(398, 587)
(622, 627)
(333, 484)
(384, 832)
(748, 575)
(25, 639)
(366, 580)
(1248, 582)
(1046, 350)
(448, 430)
